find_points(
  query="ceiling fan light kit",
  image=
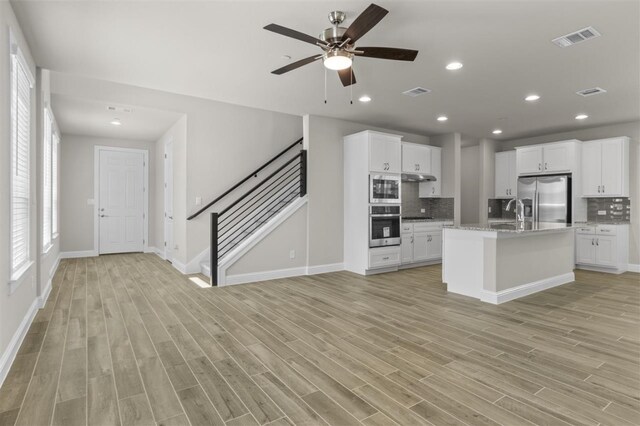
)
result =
(338, 44)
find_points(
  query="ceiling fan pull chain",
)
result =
(325, 85)
(351, 85)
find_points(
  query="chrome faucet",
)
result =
(519, 217)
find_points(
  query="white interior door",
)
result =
(168, 201)
(121, 202)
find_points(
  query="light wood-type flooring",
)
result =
(125, 339)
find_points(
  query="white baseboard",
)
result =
(525, 289)
(14, 344)
(179, 266)
(264, 276)
(323, 269)
(42, 298)
(193, 266)
(76, 254)
(634, 267)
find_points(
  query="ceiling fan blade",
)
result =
(347, 77)
(288, 32)
(297, 64)
(393, 53)
(364, 22)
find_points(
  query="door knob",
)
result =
(103, 215)
(171, 217)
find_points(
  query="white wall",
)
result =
(470, 185)
(17, 306)
(77, 186)
(630, 129)
(225, 143)
(324, 139)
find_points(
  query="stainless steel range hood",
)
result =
(415, 177)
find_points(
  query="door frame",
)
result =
(166, 178)
(96, 194)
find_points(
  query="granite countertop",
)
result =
(604, 222)
(511, 227)
(413, 219)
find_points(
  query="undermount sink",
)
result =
(512, 226)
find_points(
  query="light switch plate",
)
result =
(198, 201)
(422, 210)
(602, 212)
(489, 209)
(292, 254)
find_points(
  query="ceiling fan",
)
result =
(338, 44)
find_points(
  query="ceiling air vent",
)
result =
(417, 91)
(591, 92)
(576, 37)
(118, 109)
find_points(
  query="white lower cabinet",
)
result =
(421, 242)
(603, 247)
(382, 257)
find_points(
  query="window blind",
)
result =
(20, 162)
(46, 181)
(54, 184)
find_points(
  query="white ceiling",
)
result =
(83, 117)
(218, 50)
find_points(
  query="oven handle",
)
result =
(384, 215)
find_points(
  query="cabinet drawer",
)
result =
(382, 257)
(422, 227)
(588, 230)
(606, 230)
(407, 227)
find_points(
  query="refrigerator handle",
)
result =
(535, 207)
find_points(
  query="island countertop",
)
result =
(514, 228)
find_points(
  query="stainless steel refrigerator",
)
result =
(546, 198)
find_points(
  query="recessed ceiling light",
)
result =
(365, 98)
(454, 66)
(116, 122)
(497, 131)
(532, 98)
(442, 118)
(581, 116)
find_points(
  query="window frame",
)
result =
(47, 178)
(19, 65)
(55, 184)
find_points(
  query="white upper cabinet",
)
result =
(529, 160)
(506, 179)
(557, 157)
(605, 168)
(433, 188)
(416, 158)
(384, 153)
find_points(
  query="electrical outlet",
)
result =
(602, 212)
(198, 201)
(422, 210)
(292, 254)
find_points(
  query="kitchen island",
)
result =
(498, 262)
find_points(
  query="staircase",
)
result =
(250, 216)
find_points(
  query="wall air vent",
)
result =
(417, 91)
(591, 92)
(118, 109)
(576, 37)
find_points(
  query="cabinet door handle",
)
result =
(412, 239)
(433, 190)
(546, 166)
(385, 258)
(603, 189)
(597, 241)
(593, 241)
(539, 166)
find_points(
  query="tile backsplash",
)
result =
(498, 209)
(439, 208)
(615, 209)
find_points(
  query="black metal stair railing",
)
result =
(235, 223)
